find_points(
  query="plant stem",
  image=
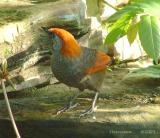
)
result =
(110, 5)
(12, 84)
(9, 109)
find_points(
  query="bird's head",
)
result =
(56, 42)
(64, 42)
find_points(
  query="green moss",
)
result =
(8, 15)
(43, 1)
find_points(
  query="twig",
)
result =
(133, 60)
(12, 84)
(110, 5)
(9, 109)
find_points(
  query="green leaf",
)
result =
(4, 65)
(150, 7)
(139, 6)
(132, 33)
(119, 28)
(149, 34)
(128, 9)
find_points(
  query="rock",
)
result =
(26, 33)
(93, 38)
(156, 100)
(25, 44)
(144, 77)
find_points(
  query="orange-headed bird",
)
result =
(77, 66)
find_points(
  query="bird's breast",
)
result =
(66, 70)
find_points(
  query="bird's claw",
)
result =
(68, 107)
(91, 110)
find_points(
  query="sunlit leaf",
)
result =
(131, 8)
(119, 28)
(132, 33)
(4, 65)
(139, 6)
(149, 34)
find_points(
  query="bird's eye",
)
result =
(53, 39)
(56, 42)
(53, 36)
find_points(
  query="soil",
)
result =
(124, 110)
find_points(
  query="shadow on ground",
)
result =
(77, 129)
(124, 110)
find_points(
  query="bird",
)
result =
(77, 66)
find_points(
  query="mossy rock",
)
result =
(8, 15)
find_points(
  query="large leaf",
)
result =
(132, 33)
(138, 6)
(149, 34)
(151, 7)
(119, 28)
(131, 8)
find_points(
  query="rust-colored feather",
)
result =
(102, 60)
(70, 47)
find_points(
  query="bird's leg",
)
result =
(92, 108)
(71, 104)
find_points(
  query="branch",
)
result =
(9, 109)
(133, 60)
(110, 5)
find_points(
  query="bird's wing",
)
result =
(95, 60)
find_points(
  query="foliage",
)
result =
(10, 15)
(139, 16)
(149, 34)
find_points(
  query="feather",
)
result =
(70, 47)
(101, 61)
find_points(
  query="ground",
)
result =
(125, 109)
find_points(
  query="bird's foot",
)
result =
(91, 110)
(68, 107)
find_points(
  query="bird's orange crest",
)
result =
(70, 47)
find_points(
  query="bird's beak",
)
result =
(46, 30)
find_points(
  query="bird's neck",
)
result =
(70, 48)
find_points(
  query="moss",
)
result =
(43, 1)
(8, 15)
